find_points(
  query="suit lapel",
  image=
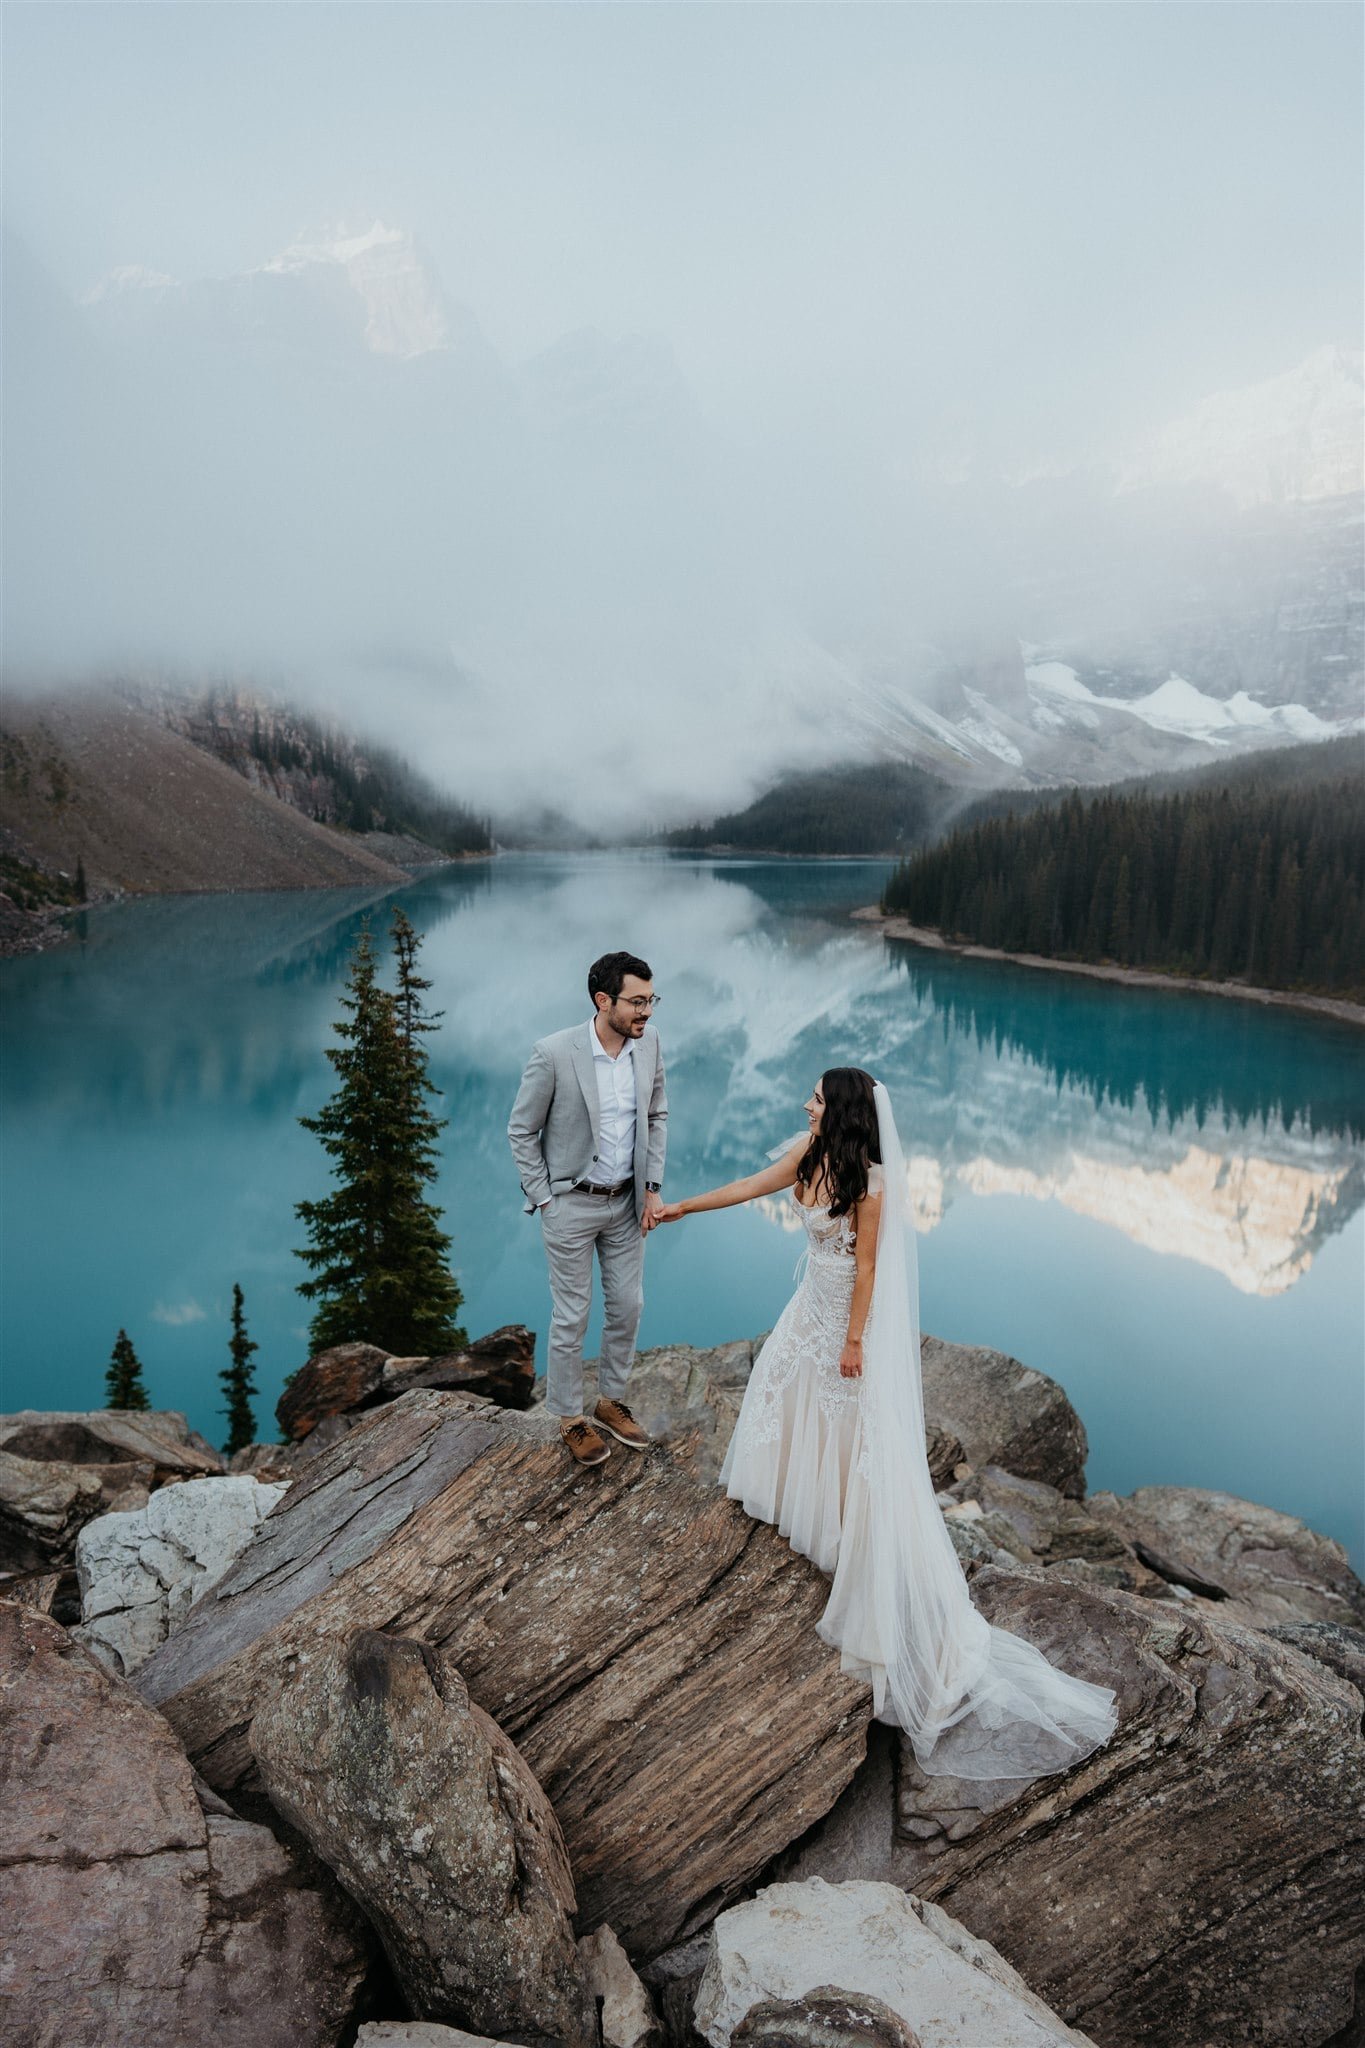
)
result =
(644, 1088)
(587, 1080)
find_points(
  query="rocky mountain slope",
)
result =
(93, 779)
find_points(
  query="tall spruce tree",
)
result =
(123, 1387)
(376, 1249)
(238, 1381)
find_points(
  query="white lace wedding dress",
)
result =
(798, 1457)
(839, 1466)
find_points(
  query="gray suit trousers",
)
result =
(574, 1225)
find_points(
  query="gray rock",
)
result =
(824, 2018)
(943, 1984)
(1270, 1566)
(128, 1913)
(625, 2009)
(58, 1471)
(1199, 1880)
(434, 1823)
(141, 1572)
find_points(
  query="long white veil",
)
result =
(975, 1701)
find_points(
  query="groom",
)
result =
(587, 1133)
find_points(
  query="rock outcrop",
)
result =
(609, 1621)
(373, 1750)
(1268, 1567)
(129, 1913)
(1003, 1413)
(141, 1572)
(799, 1942)
(57, 1472)
(346, 1380)
(1198, 1880)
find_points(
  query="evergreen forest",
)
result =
(1259, 877)
(885, 808)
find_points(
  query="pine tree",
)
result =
(376, 1249)
(123, 1387)
(238, 1383)
(82, 887)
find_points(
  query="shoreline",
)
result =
(26, 932)
(894, 927)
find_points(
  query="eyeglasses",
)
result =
(641, 1005)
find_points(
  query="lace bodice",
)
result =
(833, 1236)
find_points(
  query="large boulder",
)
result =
(141, 1572)
(1269, 1567)
(347, 1379)
(796, 1941)
(129, 1913)
(374, 1751)
(609, 1621)
(1199, 1880)
(1003, 1413)
(57, 1472)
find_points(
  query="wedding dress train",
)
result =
(839, 1466)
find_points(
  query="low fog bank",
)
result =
(555, 583)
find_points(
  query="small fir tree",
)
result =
(123, 1387)
(238, 1381)
(377, 1253)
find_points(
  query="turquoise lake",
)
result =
(1158, 1198)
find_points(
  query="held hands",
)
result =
(655, 1212)
(669, 1212)
(851, 1359)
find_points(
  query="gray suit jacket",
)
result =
(554, 1128)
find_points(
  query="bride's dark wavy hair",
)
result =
(847, 1143)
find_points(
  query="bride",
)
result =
(829, 1446)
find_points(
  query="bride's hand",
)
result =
(851, 1359)
(669, 1212)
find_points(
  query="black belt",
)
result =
(587, 1187)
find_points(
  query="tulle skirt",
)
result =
(797, 1459)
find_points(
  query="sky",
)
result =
(825, 251)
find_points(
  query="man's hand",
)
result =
(654, 1213)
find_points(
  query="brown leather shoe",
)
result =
(618, 1421)
(583, 1443)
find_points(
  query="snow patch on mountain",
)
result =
(1175, 706)
(980, 727)
(127, 277)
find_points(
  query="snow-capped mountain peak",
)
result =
(1290, 439)
(405, 310)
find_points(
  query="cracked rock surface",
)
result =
(129, 1914)
(141, 1572)
(650, 1650)
(425, 1811)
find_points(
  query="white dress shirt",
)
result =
(615, 1160)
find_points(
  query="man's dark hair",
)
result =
(610, 971)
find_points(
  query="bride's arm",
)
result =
(867, 1221)
(770, 1182)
